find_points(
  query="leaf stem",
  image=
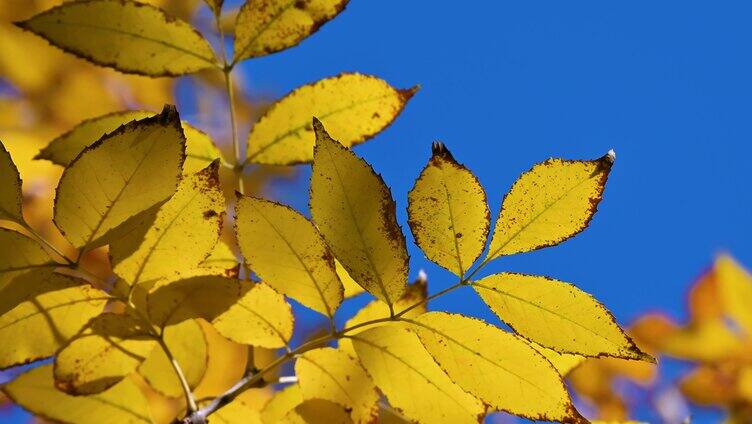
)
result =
(189, 398)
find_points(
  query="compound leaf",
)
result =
(35, 390)
(553, 201)
(448, 213)
(188, 346)
(498, 367)
(110, 348)
(261, 317)
(267, 26)
(126, 172)
(47, 309)
(355, 213)
(288, 253)
(410, 379)
(556, 315)
(199, 148)
(126, 35)
(333, 375)
(354, 107)
(184, 232)
(10, 188)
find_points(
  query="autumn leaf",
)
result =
(126, 35)
(19, 254)
(318, 411)
(35, 391)
(353, 107)
(181, 235)
(355, 213)
(261, 317)
(448, 212)
(46, 310)
(548, 204)
(192, 295)
(423, 392)
(352, 288)
(281, 403)
(200, 150)
(111, 347)
(333, 375)
(124, 173)
(735, 289)
(556, 315)
(270, 234)
(497, 367)
(10, 188)
(267, 26)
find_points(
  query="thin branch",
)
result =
(189, 398)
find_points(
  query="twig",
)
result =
(189, 398)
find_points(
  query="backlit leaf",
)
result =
(193, 296)
(19, 253)
(556, 315)
(563, 362)
(410, 379)
(110, 348)
(498, 367)
(548, 204)
(199, 148)
(735, 288)
(354, 108)
(129, 36)
(10, 188)
(222, 258)
(188, 346)
(124, 173)
(281, 403)
(352, 288)
(237, 411)
(48, 309)
(334, 375)
(35, 391)
(267, 26)
(415, 294)
(287, 252)
(318, 411)
(182, 235)
(355, 212)
(448, 212)
(261, 317)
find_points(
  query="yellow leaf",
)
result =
(193, 296)
(10, 188)
(19, 253)
(448, 212)
(235, 412)
(548, 204)
(261, 317)
(354, 107)
(267, 26)
(556, 315)
(225, 365)
(63, 149)
(334, 375)
(735, 287)
(35, 391)
(352, 288)
(181, 236)
(48, 310)
(188, 346)
(410, 379)
(498, 367)
(287, 252)
(222, 258)
(355, 212)
(110, 348)
(199, 148)
(281, 403)
(377, 310)
(126, 35)
(318, 411)
(124, 173)
(563, 362)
